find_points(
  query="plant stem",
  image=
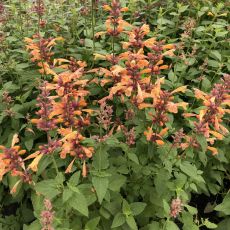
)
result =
(55, 164)
(93, 22)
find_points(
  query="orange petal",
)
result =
(149, 42)
(34, 164)
(124, 9)
(213, 150)
(163, 132)
(217, 135)
(172, 107)
(33, 155)
(84, 170)
(182, 104)
(107, 8)
(34, 121)
(70, 166)
(14, 189)
(160, 142)
(14, 140)
(199, 94)
(139, 94)
(180, 89)
(169, 46)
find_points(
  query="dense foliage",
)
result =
(114, 115)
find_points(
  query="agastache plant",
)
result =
(115, 25)
(209, 120)
(63, 107)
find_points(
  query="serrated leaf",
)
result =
(213, 63)
(171, 226)
(29, 143)
(224, 206)
(215, 54)
(137, 207)
(101, 186)
(92, 224)
(133, 157)
(209, 224)
(116, 181)
(67, 194)
(100, 159)
(74, 179)
(78, 201)
(191, 210)
(131, 222)
(48, 188)
(35, 225)
(191, 171)
(118, 220)
(126, 208)
(203, 142)
(166, 206)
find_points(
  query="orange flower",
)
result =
(154, 137)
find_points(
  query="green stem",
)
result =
(93, 22)
(55, 164)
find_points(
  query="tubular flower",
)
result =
(63, 107)
(162, 102)
(71, 144)
(11, 161)
(40, 50)
(114, 24)
(211, 116)
(155, 137)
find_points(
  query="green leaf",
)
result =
(209, 224)
(224, 206)
(37, 202)
(78, 201)
(137, 207)
(92, 224)
(74, 179)
(171, 226)
(133, 157)
(10, 87)
(126, 208)
(48, 188)
(203, 142)
(35, 225)
(191, 171)
(88, 43)
(191, 209)
(224, 224)
(213, 63)
(29, 143)
(131, 222)
(100, 159)
(154, 226)
(116, 181)
(181, 8)
(118, 220)
(60, 178)
(112, 142)
(215, 54)
(206, 84)
(43, 164)
(101, 185)
(203, 157)
(67, 194)
(166, 207)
